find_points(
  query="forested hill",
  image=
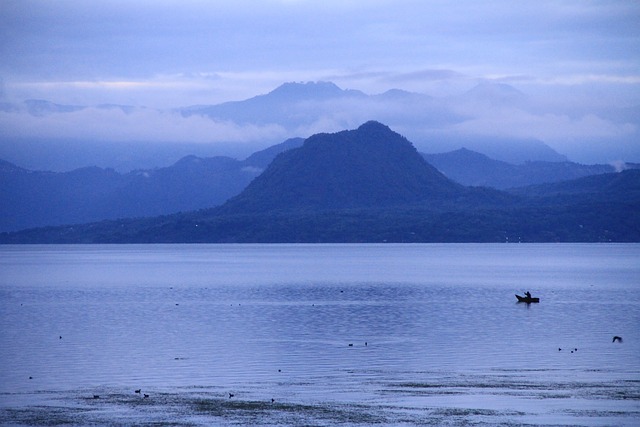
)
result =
(368, 167)
(371, 185)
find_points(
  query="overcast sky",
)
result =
(578, 57)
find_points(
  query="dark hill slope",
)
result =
(471, 168)
(614, 187)
(605, 208)
(602, 207)
(261, 159)
(371, 166)
(38, 198)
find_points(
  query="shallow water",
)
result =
(334, 334)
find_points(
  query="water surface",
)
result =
(320, 334)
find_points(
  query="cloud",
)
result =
(142, 124)
(490, 110)
(573, 59)
(429, 75)
(580, 79)
(78, 40)
(551, 128)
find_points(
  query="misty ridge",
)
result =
(39, 198)
(495, 119)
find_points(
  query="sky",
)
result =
(577, 62)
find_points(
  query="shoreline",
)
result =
(616, 403)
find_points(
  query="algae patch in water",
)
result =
(42, 416)
(287, 412)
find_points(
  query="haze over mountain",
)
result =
(41, 198)
(313, 107)
(99, 74)
(494, 119)
(291, 105)
(475, 169)
(370, 184)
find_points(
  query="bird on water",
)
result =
(617, 338)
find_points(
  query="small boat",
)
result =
(526, 299)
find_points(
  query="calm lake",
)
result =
(426, 334)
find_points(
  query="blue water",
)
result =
(411, 333)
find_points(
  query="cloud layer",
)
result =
(576, 62)
(488, 110)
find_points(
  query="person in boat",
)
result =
(528, 294)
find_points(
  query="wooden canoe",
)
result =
(526, 299)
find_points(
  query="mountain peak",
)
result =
(491, 88)
(374, 126)
(318, 89)
(371, 166)
(496, 93)
(8, 167)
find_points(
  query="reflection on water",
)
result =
(393, 328)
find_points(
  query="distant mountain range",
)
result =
(40, 198)
(475, 169)
(298, 107)
(126, 137)
(371, 185)
(292, 105)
